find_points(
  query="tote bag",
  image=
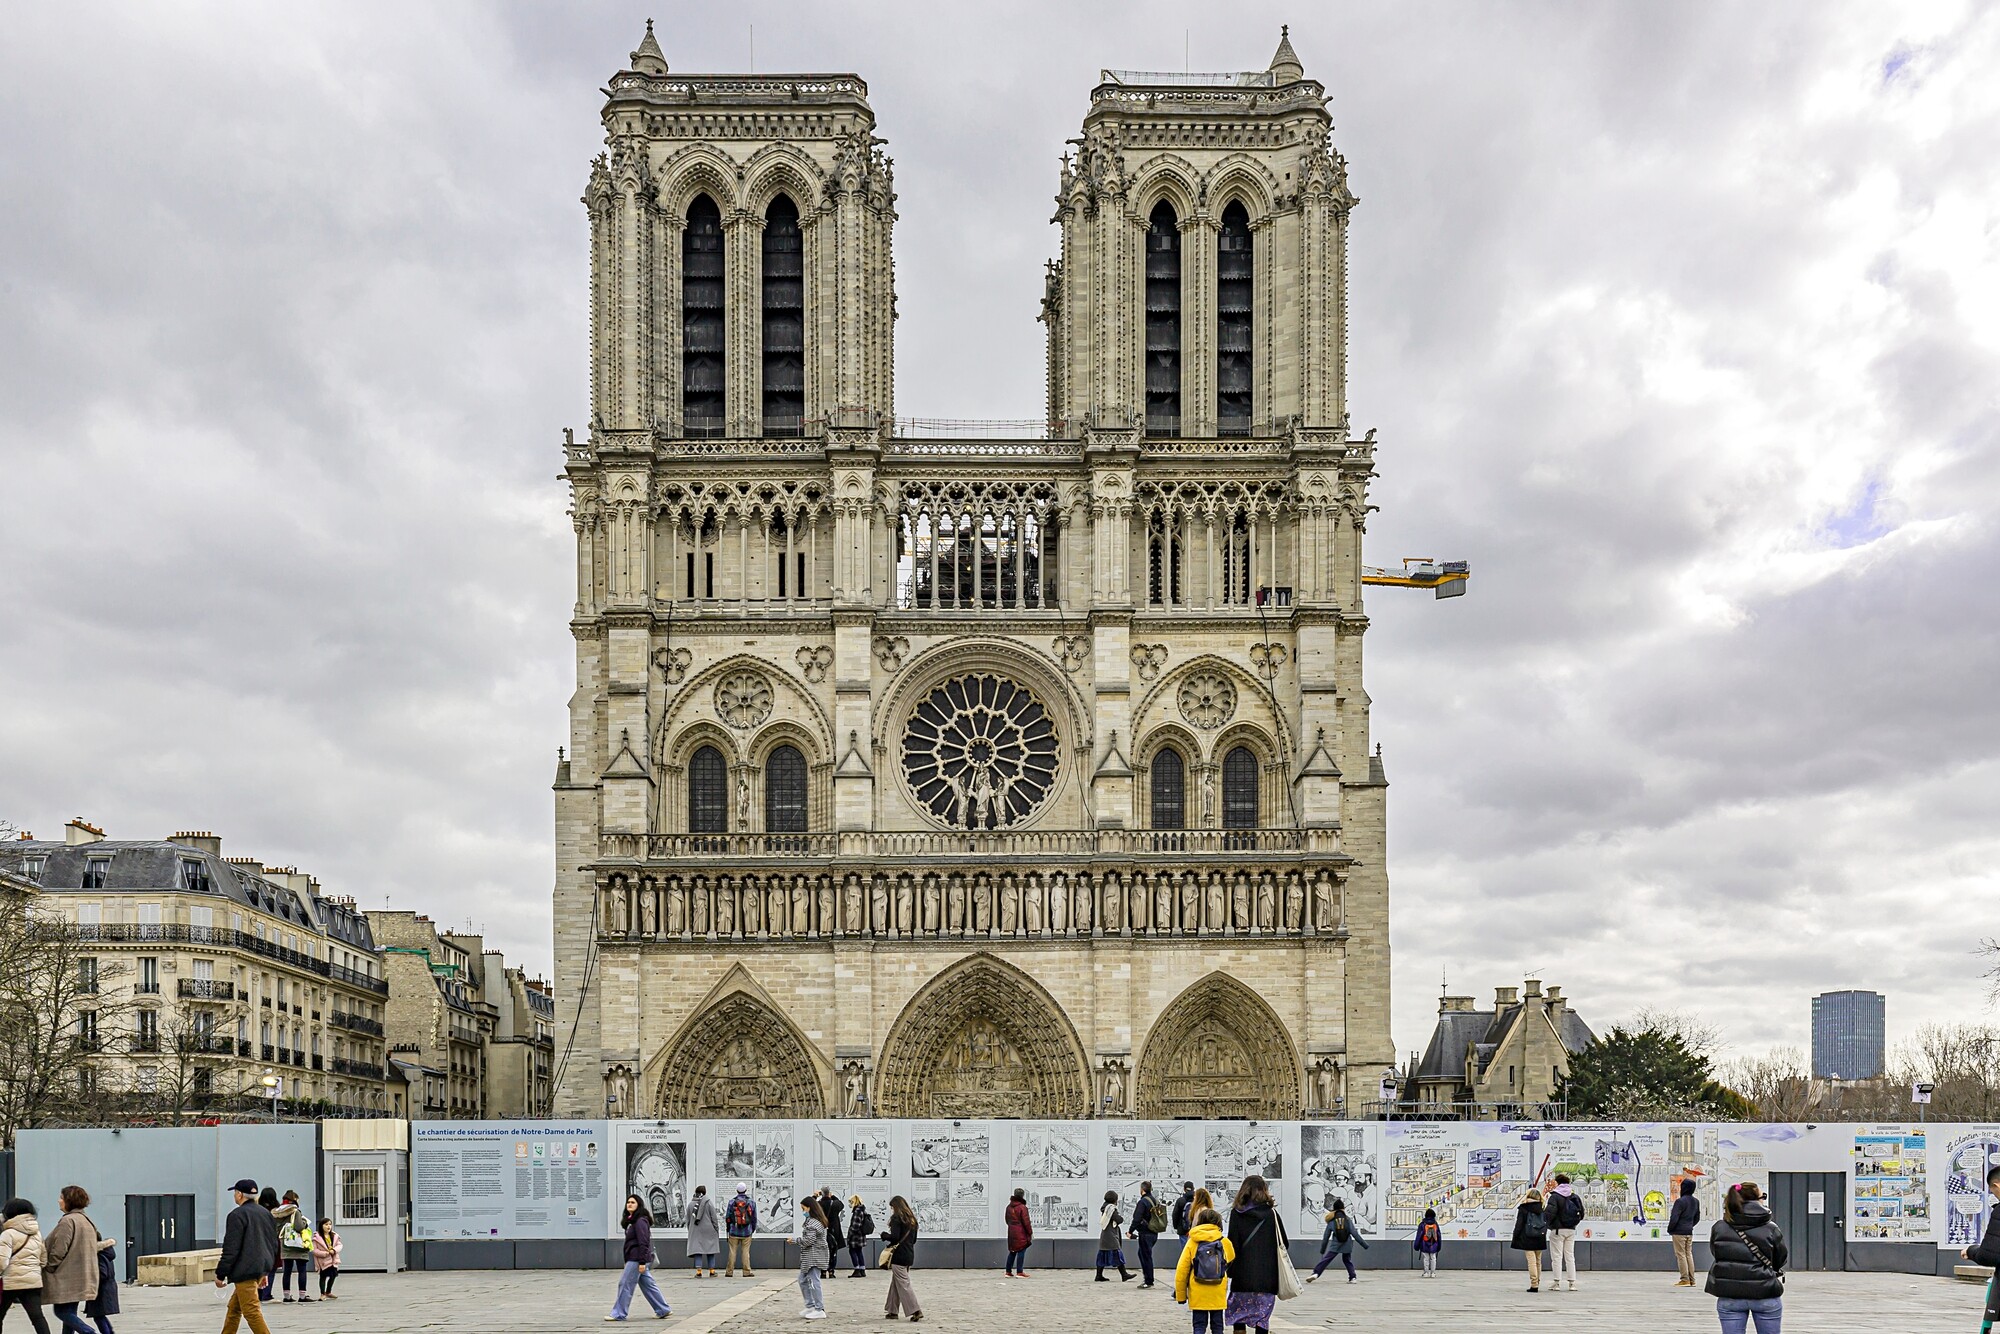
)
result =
(1288, 1277)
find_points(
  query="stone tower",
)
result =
(923, 768)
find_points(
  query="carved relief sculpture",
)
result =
(743, 699)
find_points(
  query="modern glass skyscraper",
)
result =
(1847, 1035)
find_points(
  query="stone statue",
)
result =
(618, 1087)
(1323, 918)
(853, 1089)
(676, 910)
(1295, 901)
(743, 800)
(1083, 901)
(982, 904)
(1111, 1087)
(725, 907)
(905, 906)
(1326, 1084)
(1215, 915)
(1163, 903)
(1112, 902)
(1208, 796)
(698, 915)
(1190, 902)
(1010, 906)
(801, 906)
(649, 910)
(825, 896)
(851, 903)
(933, 905)
(1139, 899)
(878, 905)
(1031, 905)
(753, 908)
(1059, 906)
(1239, 903)
(954, 904)
(1267, 902)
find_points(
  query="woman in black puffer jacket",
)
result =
(1746, 1274)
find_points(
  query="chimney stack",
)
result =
(1534, 989)
(1455, 1005)
(200, 841)
(77, 834)
(1555, 998)
(1504, 997)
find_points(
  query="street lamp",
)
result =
(272, 1082)
(1388, 1092)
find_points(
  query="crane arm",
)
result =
(1448, 578)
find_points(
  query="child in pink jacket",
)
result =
(326, 1257)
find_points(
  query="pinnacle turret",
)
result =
(1285, 64)
(649, 58)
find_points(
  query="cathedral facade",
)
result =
(942, 769)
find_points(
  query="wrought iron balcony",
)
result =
(202, 988)
(355, 1023)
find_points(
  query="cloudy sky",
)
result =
(1681, 322)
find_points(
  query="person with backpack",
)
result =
(1338, 1241)
(294, 1244)
(1020, 1234)
(1109, 1252)
(69, 1276)
(860, 1227)
(638, 1225)
(1429, 1241)
(104, 1305)
(899, 1255)
(1258, 1234)
(21, 1256)
(1564, 1211)
(1987, 1252)
(1149, 1220)
(1746, 1271)
(1201, 1279)
(742, 1219)
(1531, 1235)
(327, 1246)
(1680, 1227)
(1184, 1211)
(704, 1232)
(267, 1200)
(815, 1255)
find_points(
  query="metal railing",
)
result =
(130, 933)
(982, 844)
(201, 988)
(1375, 1109)
(355, 1023)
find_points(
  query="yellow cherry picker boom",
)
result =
(1447, 577)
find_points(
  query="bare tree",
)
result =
(49, 979)
(1694, 1033)
(1780, 1085)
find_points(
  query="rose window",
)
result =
(979, 752)
(1207, 700)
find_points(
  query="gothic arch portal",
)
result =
(1218, 1051)
(983, 1039)
(737, 1059)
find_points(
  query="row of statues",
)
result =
(1293, 901)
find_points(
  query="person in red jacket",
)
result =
(1020, 1232)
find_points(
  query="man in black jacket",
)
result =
(1680, 1227)
(249, 1252)
(1183, 1206)
(1987, 1252)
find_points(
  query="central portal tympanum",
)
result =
(983, 1040)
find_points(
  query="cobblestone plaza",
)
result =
(1058, 1302)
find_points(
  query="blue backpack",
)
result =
(1209, 1266)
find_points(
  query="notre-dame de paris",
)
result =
(925, 768)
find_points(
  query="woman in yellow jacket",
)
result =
(1201, 1279)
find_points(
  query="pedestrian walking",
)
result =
(638, 1224)
(1531, 1235)
(1020, 1234)
(831, 1206)
(249, 1254)
(69, 1275)
(1428, 1242)
(1680, 1227)
(267, 1200)
(1183, 1215)
(104, 1305)
(1149, 1220)
(1564, 1211)
(900, 1255)
(1202, 1200)
(860, 1227)
(742, 1216)
(1746, 1267)
(704, 1232)
(1337, 1242)
(22, 1253)
(326, 1248)
(1109, 1252)
(295, 1236)
(1987, 1252)
(1201, 1278)
(1257, 1234)
(815, 1256)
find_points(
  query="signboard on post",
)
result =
(507, 1179)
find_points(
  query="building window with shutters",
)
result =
(708, 792)
(702, 405)
(1233, 322)
(785, 791)
(1163, 322)
(784, 320)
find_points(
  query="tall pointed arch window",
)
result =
(1232, 320)
(785, 791)
(784, 320)
(1163, 322)
(701, 320)
(1239, 788)
(708, 792)
(1169, 790)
